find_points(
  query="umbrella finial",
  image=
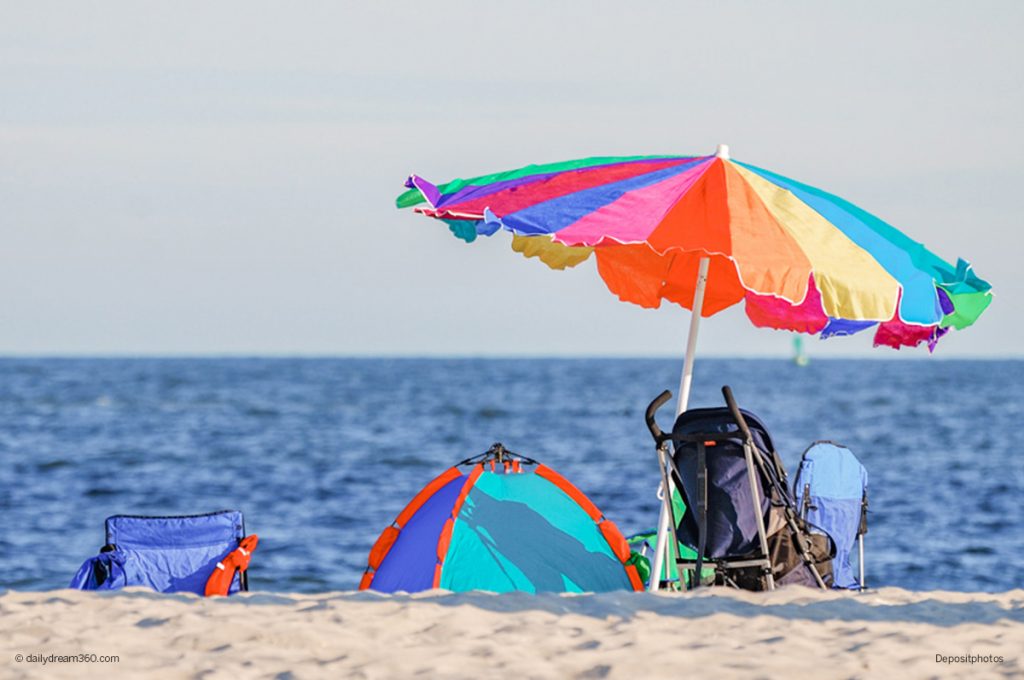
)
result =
(722, 151)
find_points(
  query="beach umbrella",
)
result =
(710, 232)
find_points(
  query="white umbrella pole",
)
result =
(691, 341)
(661, 548)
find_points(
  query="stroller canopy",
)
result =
(500, 526)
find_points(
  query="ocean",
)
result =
(321, 454)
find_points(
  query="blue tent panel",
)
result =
(409, 564)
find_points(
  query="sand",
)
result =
(791, 633)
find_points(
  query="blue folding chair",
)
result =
(831, 488)
(203, 554)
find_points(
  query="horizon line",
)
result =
(892, 356)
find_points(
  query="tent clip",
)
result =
(498, 455)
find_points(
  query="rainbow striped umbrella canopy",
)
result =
(800, 259)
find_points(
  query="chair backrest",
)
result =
(731, 517)
(830, 487)
(174, 554)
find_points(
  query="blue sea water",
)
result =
(321, 454)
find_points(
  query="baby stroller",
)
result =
(740, 517)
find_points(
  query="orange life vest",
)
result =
(236, 560)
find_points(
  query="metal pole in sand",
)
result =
(662, 544)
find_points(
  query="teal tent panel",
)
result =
(551, 503)
(519, 532)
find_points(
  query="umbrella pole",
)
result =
(661, 547)
(691, 341)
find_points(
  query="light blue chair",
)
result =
(831, 488)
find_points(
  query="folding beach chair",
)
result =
(203, 554)
(831, 488)
(739, 516)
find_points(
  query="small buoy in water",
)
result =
(799, 358)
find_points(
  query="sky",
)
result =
(219, 178)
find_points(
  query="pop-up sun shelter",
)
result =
(501, 522)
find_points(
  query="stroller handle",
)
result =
(652, 408)
(735, 410)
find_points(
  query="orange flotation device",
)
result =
(236, 561)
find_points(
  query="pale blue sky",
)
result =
(219, 177)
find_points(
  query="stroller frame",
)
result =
(754, 465)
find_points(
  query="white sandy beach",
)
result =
(792, 633)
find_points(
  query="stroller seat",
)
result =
(203, 554)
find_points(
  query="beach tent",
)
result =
(501, 523)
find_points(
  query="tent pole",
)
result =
(684, 398)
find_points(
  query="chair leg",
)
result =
(860, 559)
